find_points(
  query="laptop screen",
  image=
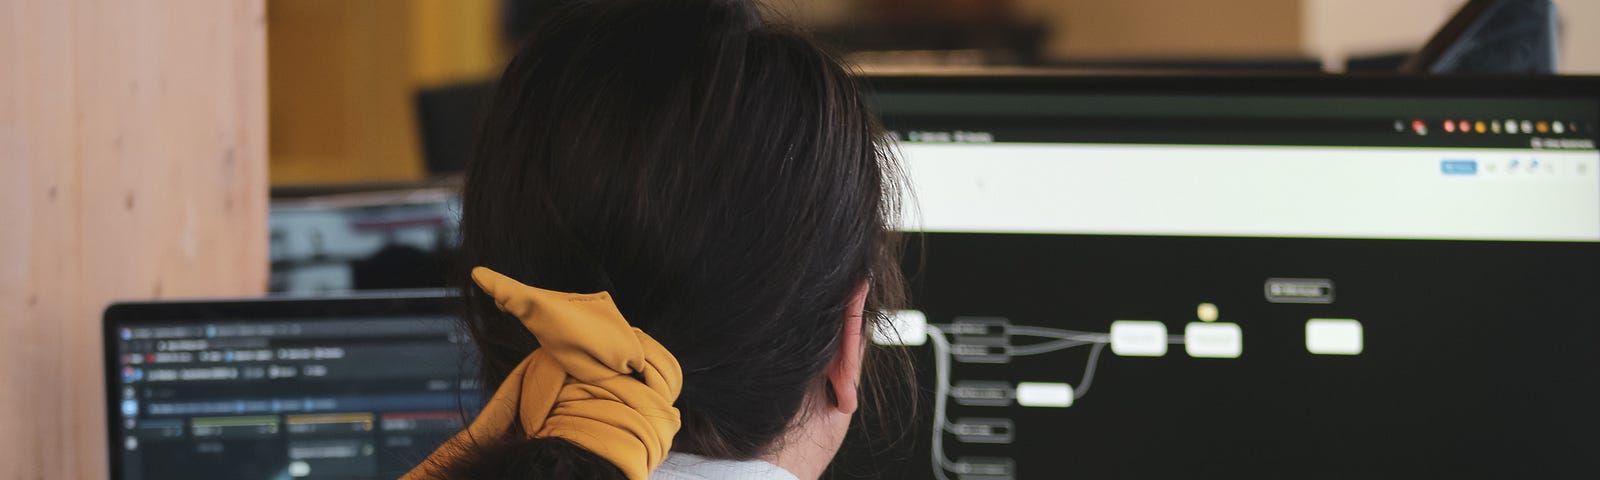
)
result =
(1302, 278)
(281, 389)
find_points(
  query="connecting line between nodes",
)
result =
(1065, 339)
(1027, 331)
(1088, 372)
(1061, 340)
(941, 389)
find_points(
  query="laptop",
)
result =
(352, 387)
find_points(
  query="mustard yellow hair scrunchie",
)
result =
(583, 383)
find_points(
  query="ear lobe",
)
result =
(844, 373)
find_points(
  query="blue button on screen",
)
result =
(1458, 167)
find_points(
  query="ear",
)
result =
(844, 373)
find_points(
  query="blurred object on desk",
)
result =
(363, 241)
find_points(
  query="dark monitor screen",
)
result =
(1252, 278)
(283, 389)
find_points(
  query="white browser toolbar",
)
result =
(1254, 191)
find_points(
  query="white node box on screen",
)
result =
(904, 328)
(1213, 340)
(1138, 338)
(1044, 394)
(299, 468)
(1334, 336)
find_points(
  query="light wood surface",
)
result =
(132, 166)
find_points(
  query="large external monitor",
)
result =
(356, 387)
(1252, 277)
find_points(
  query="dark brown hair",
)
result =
(722, 177)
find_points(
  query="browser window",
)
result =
(1179, 279)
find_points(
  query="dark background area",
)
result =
(1473, 363)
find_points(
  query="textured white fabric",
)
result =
(686, 466)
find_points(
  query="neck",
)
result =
(809, 446)
(804, 463)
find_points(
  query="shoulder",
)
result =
(687, 466)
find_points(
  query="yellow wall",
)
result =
(1086, 29)
(454, 40)
(343, 75)
(132, 166)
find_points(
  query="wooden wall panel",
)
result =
(132, 166)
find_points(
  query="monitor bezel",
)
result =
(1115, 83)
(127, 314)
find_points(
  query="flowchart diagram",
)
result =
(997, 341)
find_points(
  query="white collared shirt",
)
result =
(688, 466)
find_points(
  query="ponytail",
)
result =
(723, 178)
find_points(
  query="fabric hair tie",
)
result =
(595, 381)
